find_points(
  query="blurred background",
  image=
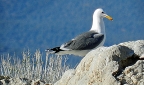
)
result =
(42, 24)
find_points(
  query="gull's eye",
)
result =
(102, 12)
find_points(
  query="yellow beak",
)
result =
(109, 17)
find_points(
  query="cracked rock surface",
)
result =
(120, 64)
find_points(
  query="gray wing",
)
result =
(85, 41)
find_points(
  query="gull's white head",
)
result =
(98, 24)
(99, 13)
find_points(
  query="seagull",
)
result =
(85, 42)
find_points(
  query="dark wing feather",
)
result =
(85, 41)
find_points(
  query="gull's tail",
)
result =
(54, 50)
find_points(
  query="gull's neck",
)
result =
(98, 25)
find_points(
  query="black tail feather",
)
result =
(54, 50)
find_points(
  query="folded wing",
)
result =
(85, 41)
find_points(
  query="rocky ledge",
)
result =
(5, 80)
(121, 64)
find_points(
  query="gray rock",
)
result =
(21, 81)
(121, 64)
